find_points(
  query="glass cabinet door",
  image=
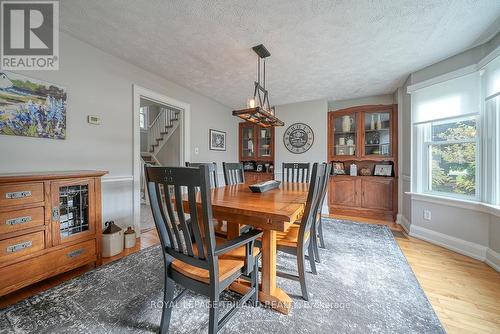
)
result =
(377, 134)
(72, 210)
(344, 135)
(247, 141)
(265, 140)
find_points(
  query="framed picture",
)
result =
(383, 170)
(338, 168)
(31, 107)
(217, 140)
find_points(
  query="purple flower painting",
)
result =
(30, 107)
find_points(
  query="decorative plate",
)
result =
(298, 138)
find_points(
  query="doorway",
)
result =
(161, 138)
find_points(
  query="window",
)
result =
(456, 135)
(143, 119)
(446, 138)
(451, 155)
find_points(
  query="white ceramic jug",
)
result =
(346, 123)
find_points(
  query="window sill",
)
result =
(457, 202)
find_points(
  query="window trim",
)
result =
(145, 113)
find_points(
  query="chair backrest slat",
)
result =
(233, 173)
(183, 186)
(295, 172)
(182, 220)
(324, 186)
(195, 227)
(212, 169)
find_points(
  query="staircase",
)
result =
(161, 129)
(159, 132)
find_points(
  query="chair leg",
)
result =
(213, 321)
(255, 282)
(301, 266)
(314, 241)
(312, 261)
(168, 296)
(320, 233)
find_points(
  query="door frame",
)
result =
(185, 152)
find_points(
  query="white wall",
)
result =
(377, 99)
(467, 229)
(101, 84)
(312, 113)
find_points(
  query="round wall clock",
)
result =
(298, 138)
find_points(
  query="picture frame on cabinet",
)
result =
(338, 168)
(383, 170)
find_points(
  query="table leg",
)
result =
(270, 294)
(233, 230)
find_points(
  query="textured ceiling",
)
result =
(319, 49)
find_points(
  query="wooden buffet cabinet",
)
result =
(256, 146)
(365, 136)
(49, 223)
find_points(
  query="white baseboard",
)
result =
(461, 246)
(405, 224)
(493, 259)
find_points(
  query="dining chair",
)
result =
(295, 172)
(212, 170)
(233, 173)
(318, 223)
(297, 239)
(193, 257)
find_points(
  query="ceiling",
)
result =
(319, 48)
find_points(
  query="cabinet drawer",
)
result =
(21, 219)
(22, 245)
(33, 270)
(23, 193)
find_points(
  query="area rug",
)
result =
(364, 285)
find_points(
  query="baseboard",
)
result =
(493, 259)
(405, 223)
(461, 246)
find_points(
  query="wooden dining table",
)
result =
(272, 211)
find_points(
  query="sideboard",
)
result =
(50, 223)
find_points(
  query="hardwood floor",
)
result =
(464, 292)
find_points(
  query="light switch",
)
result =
(196, 150)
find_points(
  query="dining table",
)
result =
(271, 211)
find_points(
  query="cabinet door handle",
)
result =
(18, 194)
(75, 253)
(20, 246)
(18, 220)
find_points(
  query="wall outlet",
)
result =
(427, 215)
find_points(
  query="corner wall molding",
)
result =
(493, 259)
(458, 245)
(405, 223)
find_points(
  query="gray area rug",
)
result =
(364, 285)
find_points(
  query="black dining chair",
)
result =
(295, 172)
(318, 223)
(212, 170)
(193, 257)
(297, 239)
(233, 173)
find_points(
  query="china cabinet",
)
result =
(365, 136)
(256, 152)
(49, 223)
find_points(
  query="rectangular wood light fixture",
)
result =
(258, 110)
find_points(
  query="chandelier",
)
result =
(258, 110)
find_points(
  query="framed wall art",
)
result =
(217, 140)
(31, 107)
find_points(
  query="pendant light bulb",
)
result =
(251, 103)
